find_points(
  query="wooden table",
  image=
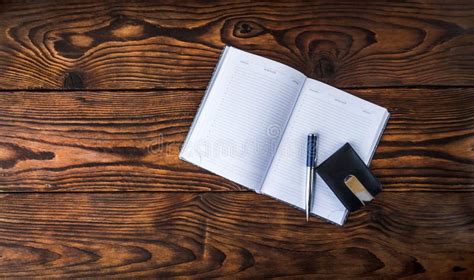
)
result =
(97, 99)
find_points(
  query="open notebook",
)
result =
(253, 123)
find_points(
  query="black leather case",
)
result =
(337, 167)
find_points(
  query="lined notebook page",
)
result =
(337, 117)
(243, 117)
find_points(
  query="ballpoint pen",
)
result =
(311, 154)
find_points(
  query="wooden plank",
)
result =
(423, 235)
(142, 44)
(129, 141)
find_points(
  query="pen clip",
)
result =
(311, 150)
(358, 189)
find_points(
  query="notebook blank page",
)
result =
(243, 117)
(337, 117)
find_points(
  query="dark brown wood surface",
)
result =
(89, 141)
(97, 98)
(141, 44)
(233, 234)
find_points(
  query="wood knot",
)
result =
(11, 154)
(418, 268)
(132, 30)
(324, 68)
(81, 40)
(74, 80)
(248, 29)
(458, 268)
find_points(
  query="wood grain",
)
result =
(129, 141)
(96, 99)
(238, 235)
(141, 44)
